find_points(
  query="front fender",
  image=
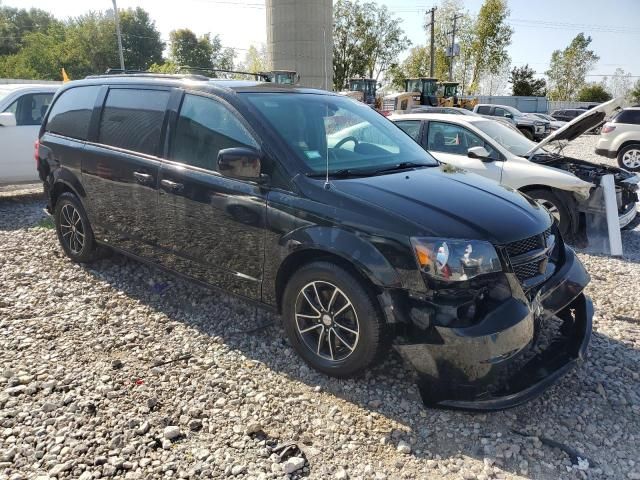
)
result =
(518, 174)
(355, 249)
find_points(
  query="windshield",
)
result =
(4, 93)
(350, 134)
(510, 139)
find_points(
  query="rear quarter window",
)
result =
(628, 116)
(484, 110)
(132, 119)
(71, 113)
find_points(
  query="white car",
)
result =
(22, 107)
(564, 185)
(620, 138)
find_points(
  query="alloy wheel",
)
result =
(553, 209)
(631, 158)
(327, 321)
(72, 229)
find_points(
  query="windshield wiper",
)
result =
(342, 173)
(402, 166)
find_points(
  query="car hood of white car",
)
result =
(581, 124)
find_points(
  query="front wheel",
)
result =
(73, 229)
(556, 208)
(629, 157)
(527, 133)
(331, 320)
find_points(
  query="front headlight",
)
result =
(454, 259)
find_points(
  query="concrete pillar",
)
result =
(300, 38)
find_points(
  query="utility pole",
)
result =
(453, 44)
(433, 43)
(117, 17)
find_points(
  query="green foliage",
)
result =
(83, 45)
(569, 67)
(634, 94)
(255, 60)
(205, 52)
(141, 42)
(593, 92)
(16, 23)
(523, 82)
(367, 40)
(491, 38)
(166, 67)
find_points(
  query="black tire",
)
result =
(370, 339)
(634, 148)
(556, 207)
(527, 133)
(74, 230)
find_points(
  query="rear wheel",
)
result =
(73, 228)
(331, 320)
(629, 157)
(556, 207)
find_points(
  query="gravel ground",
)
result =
(116, 370)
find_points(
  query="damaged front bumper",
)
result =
(513, 354)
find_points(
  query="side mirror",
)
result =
(509, 115)
(480, 153)
(241, 163)
(7, 119)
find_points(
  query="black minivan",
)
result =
(314, 205)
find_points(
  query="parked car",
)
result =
(567, 114)
(531, 127)
(562, 184)
(554, 124)
(252, 188)
(22, 107)
(462, 111)
(620, 138)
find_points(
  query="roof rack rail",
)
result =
(256, 75)
(146, 73)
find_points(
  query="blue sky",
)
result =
(541, 26)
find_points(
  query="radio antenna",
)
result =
(326, 144)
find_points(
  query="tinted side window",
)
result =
(71, 114)
(628, 116)
(132, 119)
(484, 110)
(30, 108)
(500, 112)
(410, 127)
(205, 127)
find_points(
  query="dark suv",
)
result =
(319, 208)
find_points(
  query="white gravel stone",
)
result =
(63, 328)
(171, 432)
(293, 464)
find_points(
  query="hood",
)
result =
(449, 202)
(581, 124)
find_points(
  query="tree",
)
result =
(619, 84)
(367, 39)
(348, 27)
(255, 60)
(16, 23)
(634, 94)
(416, 64)
(141, 42)
(569, 67)
(492, 36)
(523, 82)
(593, 92)
(205, 52)
(383, 40)
(495, 82)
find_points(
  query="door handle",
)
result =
(142, 177)
(172, 186)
